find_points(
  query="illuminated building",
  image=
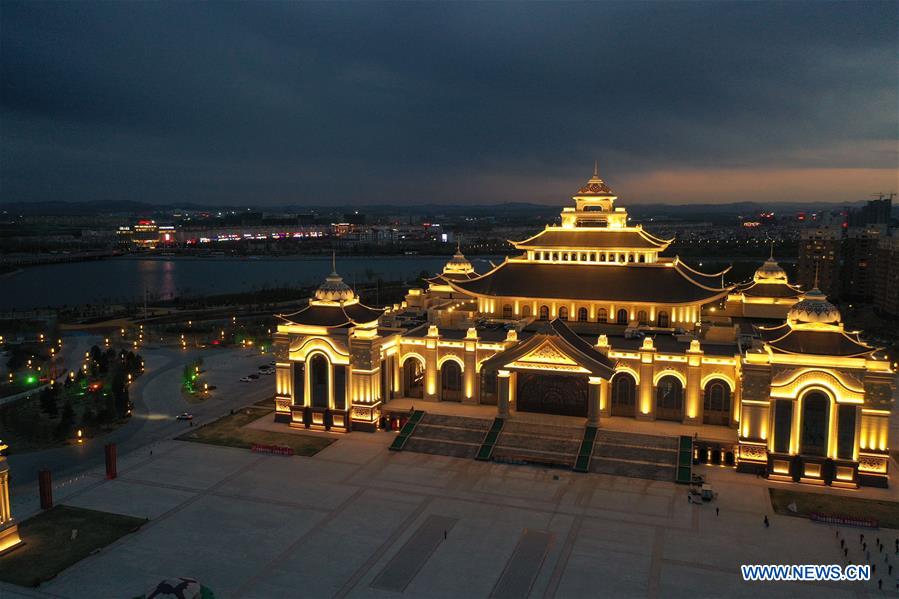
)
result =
(768, 295)
(591, 321)
(9, 531)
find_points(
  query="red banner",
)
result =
(273, 449)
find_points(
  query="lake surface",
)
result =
(118, 280)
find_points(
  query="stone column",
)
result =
(470, 375)
(9, 531)
(605, 398)
(432, 379)
(593, 400)
(693, 411)
(646, 408)
(502, 404)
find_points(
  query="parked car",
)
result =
(269, 371)
(253, 376)
(184, 416)
(246, 379)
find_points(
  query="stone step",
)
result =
(446, 448)
(543, 430)
(478, 424)
(638, 454)
(546, 444)
(515, 454)
(445, 433)
(636, 439)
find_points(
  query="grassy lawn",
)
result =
(49, 548)
(885, 512)
(229, 431)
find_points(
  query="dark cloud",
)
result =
(261, 103)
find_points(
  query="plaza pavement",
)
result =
(360, 521)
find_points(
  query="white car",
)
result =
(246, 379)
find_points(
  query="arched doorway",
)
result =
(621, 317)
(662, 319)
(602, 315)
(582, 314)
(450, 381)
(544, 312)
(563, 313)
(716, 403)
(813, 436)
(565, 395)
(624, 395)
(318, 380)
(526, 311)
(413, 378)
(670, 399)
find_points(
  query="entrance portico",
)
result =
(554, 372)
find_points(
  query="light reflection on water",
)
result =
(126, 279)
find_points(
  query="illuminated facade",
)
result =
(9, 530)
(591, 321)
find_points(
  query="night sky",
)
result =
(322, 103)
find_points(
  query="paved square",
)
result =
(360, 521)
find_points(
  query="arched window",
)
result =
(621, 317)
(602, 315)
(582, 314)
(526, 311)
(318, 380)
(565, 256)
(414, 377)
(555, 256)
(813, 436)
(602, 257)
(716, 403)
(592, 256)
(563, 313)
(624, 394)
(670, 399)
(642, 257)
(630, 257)
(544, 312)
(622, 258)
(507, 311)
(662, 319)
(451, 381)
(641, 317)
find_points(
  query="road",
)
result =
(157, 401)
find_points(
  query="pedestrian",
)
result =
(873, 568)
(842, 543)
(864, 546)
(861, 538)
(880, 584)
(444, 535)
(890, 570)
(767, 524)
(716, 510)
(846, 552)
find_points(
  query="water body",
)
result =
(122, 280)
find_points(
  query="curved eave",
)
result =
(679, 262)
(333, 316)
(714, 295)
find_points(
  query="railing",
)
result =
(400, 442)
(684, 473)
(489, 442)
(582, 463)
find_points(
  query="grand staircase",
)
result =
(635, 455)
(455, 436)
(538, 443)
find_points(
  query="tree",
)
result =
(48, 402)
(66, 421)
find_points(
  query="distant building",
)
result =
(859, 253)
(875, 212)
(886, 293)
(820, 258)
